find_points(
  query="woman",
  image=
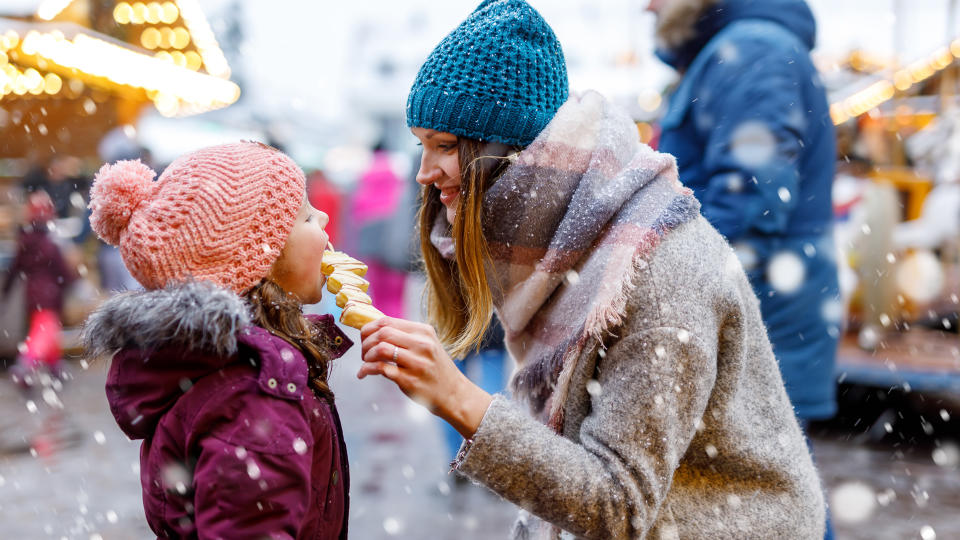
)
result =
(657, 407)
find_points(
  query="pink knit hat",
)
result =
(220, 214)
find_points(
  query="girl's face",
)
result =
(440, 166)
(297, 270)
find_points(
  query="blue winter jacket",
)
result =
(750, 127)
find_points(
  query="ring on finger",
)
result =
(396, 351)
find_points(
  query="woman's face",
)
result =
(297, 270)
(440, 166)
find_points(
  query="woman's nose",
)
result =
(428, 173)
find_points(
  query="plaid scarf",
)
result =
(569, 224)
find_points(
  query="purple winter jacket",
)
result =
(235, 444)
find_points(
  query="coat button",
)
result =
(338, 341)
(334, 478)
(291, 388)
(271, 382)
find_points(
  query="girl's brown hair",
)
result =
(280, 313)
(459, 301)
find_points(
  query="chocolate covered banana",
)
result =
(357, 314)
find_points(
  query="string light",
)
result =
(203, 39)
(170, 13)
(881, 91)
(173, 89)
(169, 78)
(51, 8)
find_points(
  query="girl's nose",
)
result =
(323, 219)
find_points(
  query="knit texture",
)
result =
(220, 214)
(499, 76)
(676, 424)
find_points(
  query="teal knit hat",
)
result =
(499, 76)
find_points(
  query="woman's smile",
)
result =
(449, 194)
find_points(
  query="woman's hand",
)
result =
(410, 355)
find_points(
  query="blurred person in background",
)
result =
(62, 179)
(41, 264)
(750, 127)
(653, 397)
(327, 198)
(374, 203)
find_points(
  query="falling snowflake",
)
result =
(886, 497)
(392, 526)
(753, 144)
(832, 310)
(175, 476)
(868, 338)
(852, 502)
(885, 320)
(947, 456)
(99, 437)
(734, 183)
(786, 272)
(920, 276)
(747, 255)
(594, 388)
(299, 446)
(253, 471)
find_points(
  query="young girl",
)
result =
(216, 369)
(655, 406)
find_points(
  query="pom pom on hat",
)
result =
(116, 193)
(220, 214)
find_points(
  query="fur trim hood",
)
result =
(196, 316)
(676, 23)
(685, 26)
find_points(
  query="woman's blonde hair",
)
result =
(281, 314)
(459, 301)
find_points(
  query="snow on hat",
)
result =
(220, 214)
(499, 76)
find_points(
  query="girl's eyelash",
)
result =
(419, 144)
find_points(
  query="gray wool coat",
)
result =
(677, 427)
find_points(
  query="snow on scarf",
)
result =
(569, 224)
